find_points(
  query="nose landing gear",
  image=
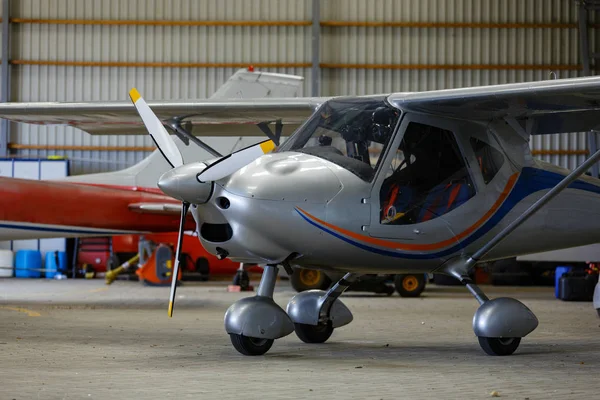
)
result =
(253, 323)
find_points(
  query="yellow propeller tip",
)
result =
(170, 309)
(267, 146)
(134, 95)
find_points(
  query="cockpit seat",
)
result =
(397, 203)
(443, 199)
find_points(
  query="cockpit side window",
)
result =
(489, 159)
(428, 177)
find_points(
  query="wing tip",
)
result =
(134, 95)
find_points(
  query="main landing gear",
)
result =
(254, 323)
(499, 324)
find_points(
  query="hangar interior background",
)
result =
(96, 50)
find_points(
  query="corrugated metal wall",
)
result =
(447, 47)
(140, 44)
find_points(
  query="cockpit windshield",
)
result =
(352, 133)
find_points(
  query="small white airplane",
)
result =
(403, 183)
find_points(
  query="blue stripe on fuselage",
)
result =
(530, 181)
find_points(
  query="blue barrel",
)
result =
(28, 264)
(557, 274)
(56, 261)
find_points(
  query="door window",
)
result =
(489, 159)
(427, 178)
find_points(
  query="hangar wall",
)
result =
(84, 50)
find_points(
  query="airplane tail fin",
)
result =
(245, 83)
(248, 84)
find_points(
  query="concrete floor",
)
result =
(81, 339)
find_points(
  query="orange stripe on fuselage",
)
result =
(423, 247)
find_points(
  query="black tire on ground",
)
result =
(203, 268)
(389, 290)
(312, 333)
(499, 346)
(241, 279)
(598, 311)
(410, 285)
(250, 346)
(306, 279)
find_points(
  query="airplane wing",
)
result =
(554, 106)
(209, 117)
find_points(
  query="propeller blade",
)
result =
(157, 131)
(184, 209)
(229, 164)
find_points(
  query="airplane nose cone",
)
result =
(181, 183)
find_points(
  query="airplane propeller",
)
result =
(185, 182)
(169, 150)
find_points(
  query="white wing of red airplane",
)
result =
(227, 117)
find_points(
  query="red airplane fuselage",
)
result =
(42, 209)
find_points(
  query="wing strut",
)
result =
(274, 136)
(474, 259)
(184, 132)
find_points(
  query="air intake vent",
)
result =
(216, 233)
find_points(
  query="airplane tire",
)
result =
(499, 346)
(306, 279)
(312, 333)
(411, 285)
(250, 346)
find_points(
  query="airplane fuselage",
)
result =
(300, 207)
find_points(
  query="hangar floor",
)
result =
(81, 339)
